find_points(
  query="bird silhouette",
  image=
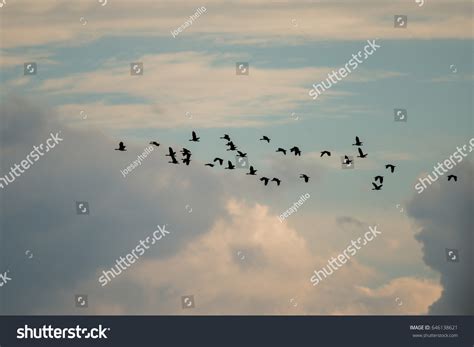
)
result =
(243, 155)
(265, 180)
(281, 150)
(252, 171)
(172, 155)
(209, 164)
(194, 137)
(230, 166)
(121, 147)
(232, 147)
(219, 160)
(379, 178)
(277, 180)
(187, 160)
(376, 187)
(347, 161)
(453, 177)
(185, 151)
(306, 177)
(358, 142)
(391, 167)
(361, 154)
(265, 138)
(225, 137)
(325, 152)
(154, 143)
(295, 150)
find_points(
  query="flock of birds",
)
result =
(231, 147)
(252, 171)
(362, 155)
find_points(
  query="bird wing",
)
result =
(375, 186)
(360, 151)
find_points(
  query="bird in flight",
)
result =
(277, 180)
(264, 180)
(379, 178)
(358, 142)
(296, 150)
(361, 154)
(376, 187)
(194, 137)
(281, 150)
(186, 156)
(391, 167)
(209, 164)
(265, 138)
(453, 177)
(225, 137)
(154, 143)
(172, 155)
(219, 160)
(187, 160)
(325, 152)
(185, 151)
(306, 177)
(347, 161)
(252, 171)
(121, 147)
(230, 166)
(243, 155)
(231, 145)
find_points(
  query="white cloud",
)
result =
(251, 22)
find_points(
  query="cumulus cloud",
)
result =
(410, 296)
(444, 213)
(232, 213)
(250, 263)
(39, 213)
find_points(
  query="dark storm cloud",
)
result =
(38, 211)
(445, 213)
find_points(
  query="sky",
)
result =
(227, 247)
